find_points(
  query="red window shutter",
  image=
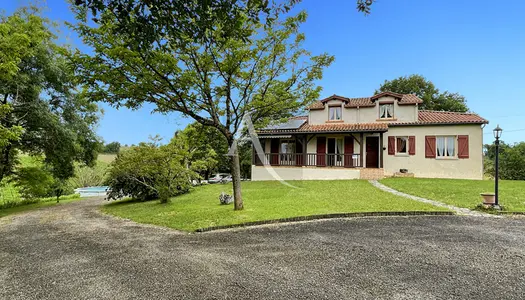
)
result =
(274, 152)
(349, 151)
(412, 145)
(321, 151)
(391, 145)
(463, 146)
(430, 146)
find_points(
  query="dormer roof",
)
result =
(403, 99)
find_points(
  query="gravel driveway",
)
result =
(73, 252)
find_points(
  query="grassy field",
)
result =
(41, 203)
(106, 158)
(462, 193)
(10, 197)
(263, 201)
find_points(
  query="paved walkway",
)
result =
(458, 210)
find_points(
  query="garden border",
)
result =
(328, 216)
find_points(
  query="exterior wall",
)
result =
(467, 168)
(320, 116)
(402, 113)
(260, 173)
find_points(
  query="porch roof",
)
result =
(332, 128)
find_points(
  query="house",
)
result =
(370, 138)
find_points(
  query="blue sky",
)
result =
(473, 47)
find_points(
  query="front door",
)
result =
(372, 151)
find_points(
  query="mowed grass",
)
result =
(39, 204)
(264, 200)
(462, 193)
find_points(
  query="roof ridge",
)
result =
(449, 112)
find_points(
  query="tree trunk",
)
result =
(4, 161)
(236, 178)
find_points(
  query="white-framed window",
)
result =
(446, 146)
(287, 150)
(402, 145)
(335, 113)
(335, 151)
(386, 111)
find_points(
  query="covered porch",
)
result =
(322, 149)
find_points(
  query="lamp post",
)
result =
(497, 134)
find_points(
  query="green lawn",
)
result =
(264, 201)
(41, 203)
(462, 193)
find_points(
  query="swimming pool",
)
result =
(92, 191)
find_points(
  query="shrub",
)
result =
(150, 171)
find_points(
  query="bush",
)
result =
(150, 171)
(511, 161)
(34, 182)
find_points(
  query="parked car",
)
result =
(217, 178)
(227, 179)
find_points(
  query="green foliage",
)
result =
(245, 157)
(207, 71)
(113, 148)
(13, 207)
(432, 98)
(208, 149)
(34, 182)
(151, 171)
(511, 161)
(42, 110)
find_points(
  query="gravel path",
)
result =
(458, 210)
(73, 252)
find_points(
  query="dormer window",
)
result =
(386, 111)
(335, 113)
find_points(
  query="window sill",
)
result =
(386, 119)
(447, 158)
(335, 121)
(402, 155)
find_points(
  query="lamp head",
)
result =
(497, 132)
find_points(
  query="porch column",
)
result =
(381, 150)
(361, 148)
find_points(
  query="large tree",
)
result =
(41, 111)
(206, 142)
(211, 74)
(433, 98)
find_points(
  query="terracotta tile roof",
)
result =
(339, 127)
(361, 102)
(366, 101)
(331, 127)
(428, 117)
(425, 117)
(299, 118)
(410, 99)
(387, 93)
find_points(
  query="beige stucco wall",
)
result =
(402, 113)
(320, 116)
(260, 173)
(469, 168)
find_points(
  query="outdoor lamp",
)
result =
(497, 132)
(497, 135)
